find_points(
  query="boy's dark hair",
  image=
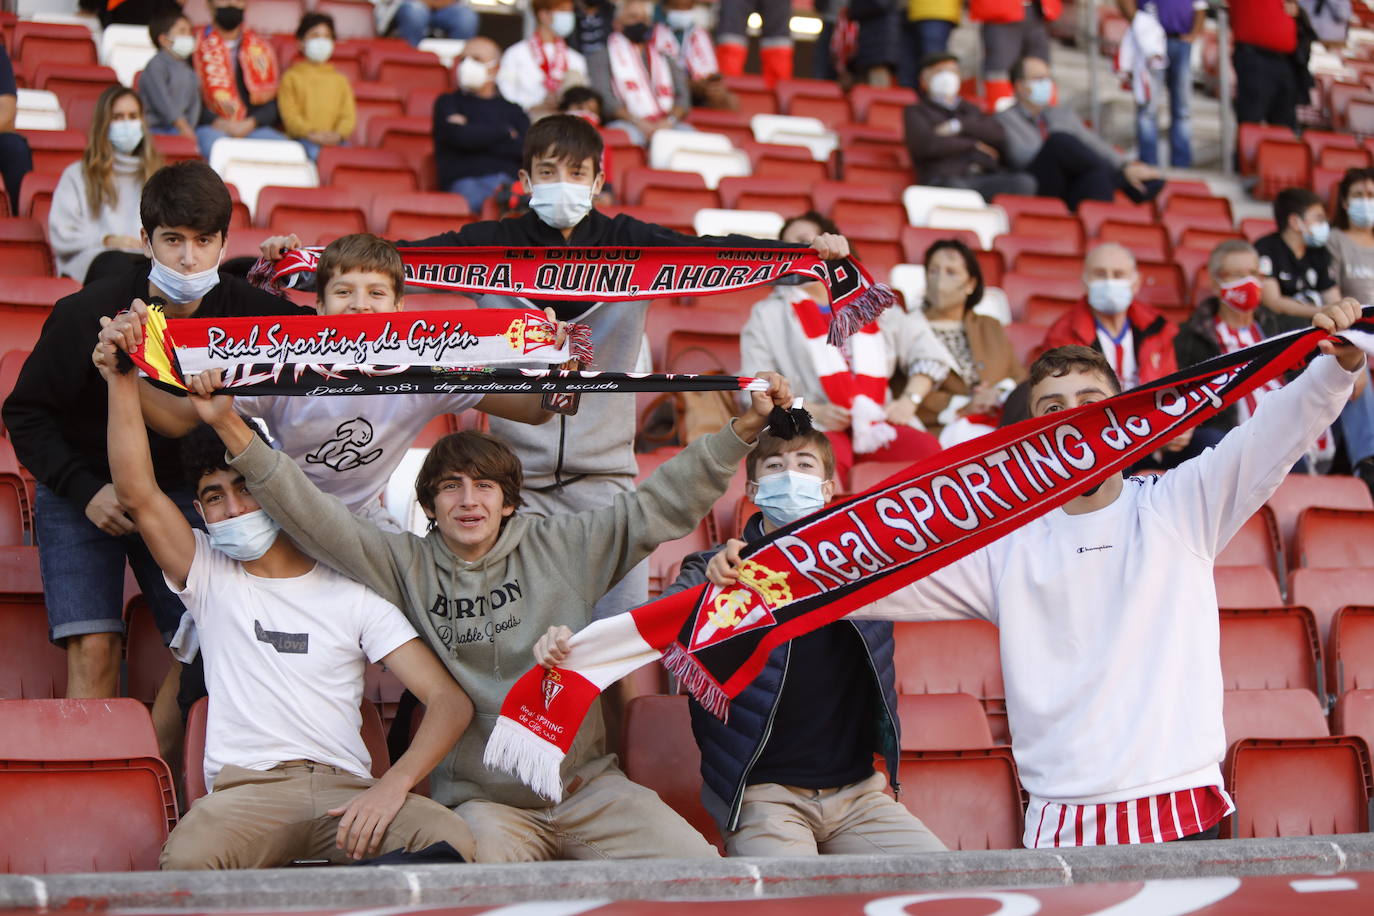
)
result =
(187, 193)
(310, 20)
(479, 456)
(1018, 66)
(360, 251)
(162, 23)
(825, 224)
(1294, 202)
(202, 453)
(970, 264)
(770, 446)
(567, 138)
(1348, 181)
(1061, 361)
(581, 95)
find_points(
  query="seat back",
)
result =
(970, 799)
(1334, 538)
(1246, 587)
(1354, 715)
(919, 200)
(1270, 649)
(1299, 787)
(660, 753)
(1352, 644)
(1255, 544)
(1326, 591)
(942, 721)
(1288, 713)
(30, 666)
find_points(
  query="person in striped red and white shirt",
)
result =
(1108, 613)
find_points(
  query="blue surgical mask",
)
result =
(182, 288)
(1361, 211)
(563, 23)
(786, 496)
(125, 136)
(1041, 91)
(561, 204)
(1110, 297)
(1317, 235)
(680, 20)
(244, 537)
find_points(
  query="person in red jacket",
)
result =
(1011, 30)
(1268, 88)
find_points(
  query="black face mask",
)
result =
(229, 17)
(637, 32)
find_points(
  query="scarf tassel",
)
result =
(535, 762)
(697, 682)
(859, 312)
(580, 343)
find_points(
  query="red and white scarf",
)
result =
(1231, 341)
(695, 51)
(646, 94)
(215, 68)
(854, 375)
(553, 64)
(820, 568)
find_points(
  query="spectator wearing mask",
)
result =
(316, 100)
(1182, 21)
(680, 37)
(645, 90)
(1294, 259)
(238, 77)
(478, 135)
(1136, 340)
(1351, 244)
(775, 37)
(416, 19)
(929, 23)
(1066, 159)
(954, 143)
(586, 103)
(536, 71)
(16, 160)
(94, 222)
(1268, 86)
(169, 87)
(1011, 30)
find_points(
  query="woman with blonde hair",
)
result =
(94, 223)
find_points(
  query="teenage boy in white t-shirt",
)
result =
(1108, 612)
(349, 445)
(285, 641)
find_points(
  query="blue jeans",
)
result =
(415, 19)
(1357, 427)
(206, 135)
(477, 188)
(83, 570)
(1178, 77)
(921, 37)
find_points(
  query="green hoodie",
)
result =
(483, 618)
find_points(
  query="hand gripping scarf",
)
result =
(606, 274)
(822, 567)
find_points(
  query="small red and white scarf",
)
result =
(854, 375)
(215, 68)
(552, 59)
(1157, 819)
(695, 51)
(1232, 340)
(646, 94)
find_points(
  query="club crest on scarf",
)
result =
(552, 686)
(526, 336)
(747, 605)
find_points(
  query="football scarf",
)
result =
(853, 376)
(214, 65)
(646, 93)
(552, 61)
(604, 274)
(694, 52)
(835, 561)
(446, 352)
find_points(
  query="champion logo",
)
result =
(1091, 549)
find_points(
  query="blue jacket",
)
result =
(729, 750)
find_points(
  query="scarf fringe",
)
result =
(702, 687)
(869, 426)
(535, 762)
(860, 311)
(580, 343)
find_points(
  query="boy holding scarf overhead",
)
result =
(238, 75)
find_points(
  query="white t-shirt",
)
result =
(349, 445)
(284, 662)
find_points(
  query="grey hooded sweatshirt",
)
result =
(483, 618)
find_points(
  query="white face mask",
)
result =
(182, 288)
(944, 87)
(473, 74)
(563, 23)
(1317, 234)
(319, 49)
(125, 136)
(184, 46)
(244, 537)
(561, 204)
(786, 496)
(680, 20)
(1110, 297)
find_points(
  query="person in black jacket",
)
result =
(478, 135)
(56, 419)
(790, 773)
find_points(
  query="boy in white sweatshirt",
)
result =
(1108, 612)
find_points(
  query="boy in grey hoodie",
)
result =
(484, 584)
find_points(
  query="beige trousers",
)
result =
(269, 818)
(857, 819)
(605, 817)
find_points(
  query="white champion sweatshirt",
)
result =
(1109, 624)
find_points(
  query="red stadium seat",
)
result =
(246, 242)
(1352, 648)
(1094, 213)
(778, 195)
(352, 20)
(24, 249)
(1016, 204)
(1334, 538)
(1341, 94)
(651, 461)
(1326, 591)
(1249, 138)
(822, 99)
(1298, 491)
(366, 172)
(1281, 164)
(53, 151)
(1319, 141)
(1043, 264)
(35, 194)
(862, 144)
(942, 722)
(1342, 159)
(953, 656)
(1021, 288)
(1146, 242)
(916, 240)
(25, 303)
(970, 799)
(380, 685)
(373, 100)
(1257, 543)
(46, 41)
(1299, 787)
(1063, 229)
(661, 754)
(1290, 713)
(146, 657)
(867, 474)
(1354, 715)
(410, 68)
(311, 212)
(412, 137)
(881, 107)
(673, 218)
(1024, 337)
(793, 163)
(176, 148)
(420, 102)
(1203, 238)
(1162, 284)
(1271, 649)
(892, 177)
(1186, 188)
(754, 95)
(418, 215)
(1044, 311)
(30, 666)
(668, 190)
(1197, 207)
(871, 220)
(1254, 228)
(273, 17)
(1014, 248)
(667, 557)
